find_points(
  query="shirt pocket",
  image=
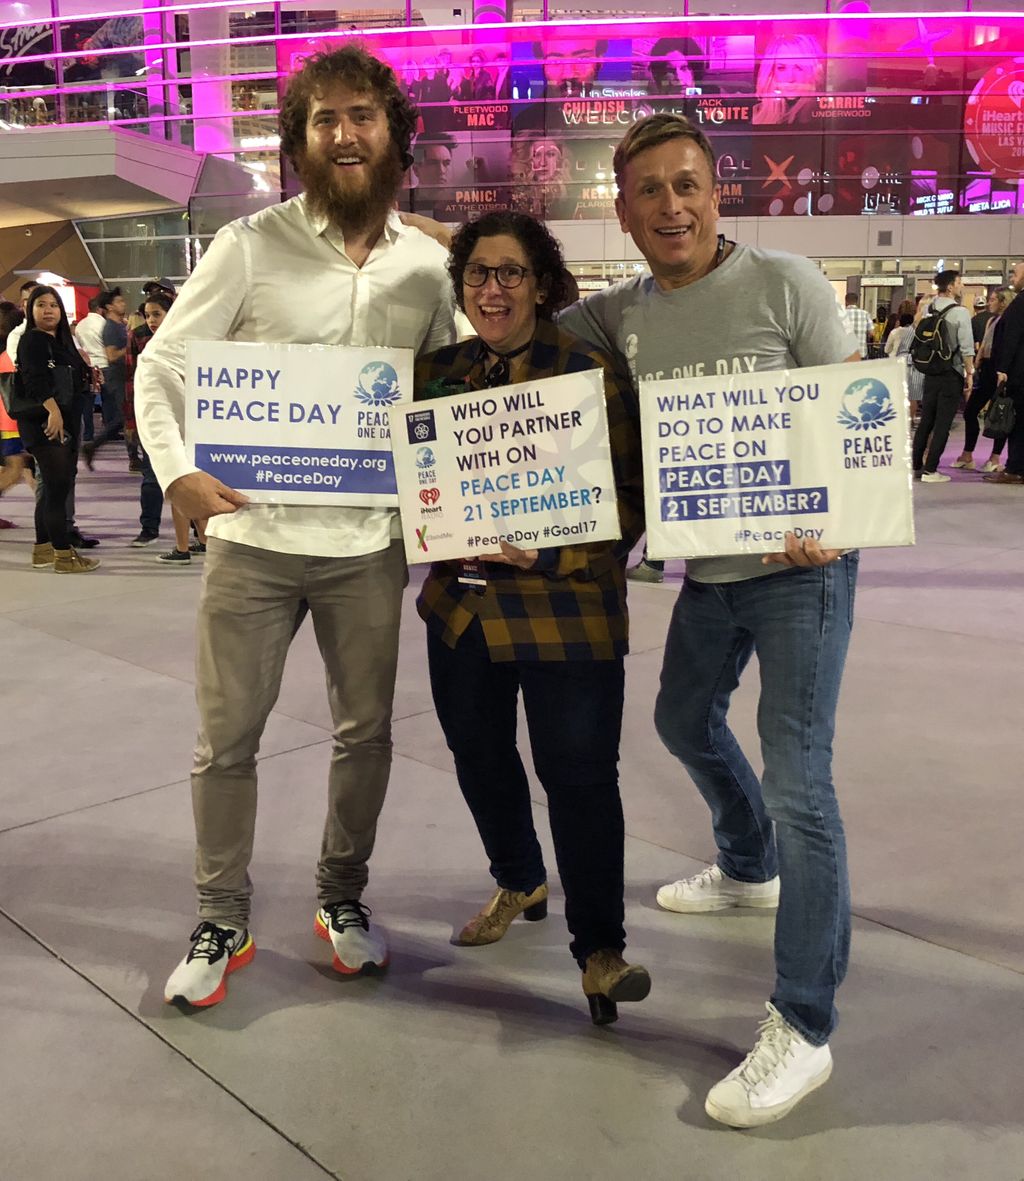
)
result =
(406, 326)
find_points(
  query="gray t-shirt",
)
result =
(759, 310)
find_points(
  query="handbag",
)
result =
(17, 400)
(1001, 415)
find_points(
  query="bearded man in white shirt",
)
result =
(332, 266)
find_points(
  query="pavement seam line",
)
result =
(170, 1045)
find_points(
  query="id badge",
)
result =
(471, 573)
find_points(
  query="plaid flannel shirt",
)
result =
(572, 604)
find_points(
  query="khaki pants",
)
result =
(253, 602)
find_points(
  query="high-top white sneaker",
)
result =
(779, 1071)
(201, 977)
(711, 890)
(358, 944)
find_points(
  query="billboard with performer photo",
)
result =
(852, 113)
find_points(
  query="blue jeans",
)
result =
(788, 823)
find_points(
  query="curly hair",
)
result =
(540, 247)
(363, 73)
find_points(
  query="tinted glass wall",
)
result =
(810, 115)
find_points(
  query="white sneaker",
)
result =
(991, 465)
(357, 944)
(779, 1071)
(935, 478)
(966, 465)
(201, 977)
(711, 890)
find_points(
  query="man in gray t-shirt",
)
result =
(711, 306)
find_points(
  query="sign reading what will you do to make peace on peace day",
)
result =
(731, 463)
(296, 423)
(529, 464)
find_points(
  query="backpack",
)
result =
(932, 351)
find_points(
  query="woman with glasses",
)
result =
(550, 624)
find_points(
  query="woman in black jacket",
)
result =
(54, 379)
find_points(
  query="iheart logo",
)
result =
(1016, 92)
(430, 495)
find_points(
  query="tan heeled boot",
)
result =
(69, 561)
(496, 917)
(42, 555)
(607, 978)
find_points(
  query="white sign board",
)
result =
(296, 423)
(529, 464)
(732, 463)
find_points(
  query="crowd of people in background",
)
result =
(72, 372)
(109, 340)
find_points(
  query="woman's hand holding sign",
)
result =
(199, 495)
(806, 552)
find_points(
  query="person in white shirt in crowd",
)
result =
(857, 323)
(14, 339)
(943, 391)
(898, 345)
(89, 334)
(334, 265)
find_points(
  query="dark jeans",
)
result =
(574, 715)
(88, 428)
(56, 463)
(983, 392)
(112, 395)
(151, 498)
(654, 563)
(939, 405)
(73, 424)
(1015, 450)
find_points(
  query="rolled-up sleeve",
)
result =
(965, 334)
(208, 308)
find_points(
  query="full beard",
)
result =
(351, 210)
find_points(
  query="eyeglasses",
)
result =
(509, 275)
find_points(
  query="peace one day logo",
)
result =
(377, 385)
(867, 405)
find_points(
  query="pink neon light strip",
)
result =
(931, 14)
(466, 32)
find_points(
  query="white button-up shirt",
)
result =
(89, 335)
(283, 277)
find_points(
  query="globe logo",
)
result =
(425, 458)
(378, 385)
(867, 405)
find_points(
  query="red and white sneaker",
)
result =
(201, 977)
(358, 945)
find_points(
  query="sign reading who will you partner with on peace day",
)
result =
(296, 423)
(734, 462)
(529, 464)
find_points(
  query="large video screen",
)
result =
(852, 114)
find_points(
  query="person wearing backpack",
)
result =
(1008, 359)
(943, 350)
